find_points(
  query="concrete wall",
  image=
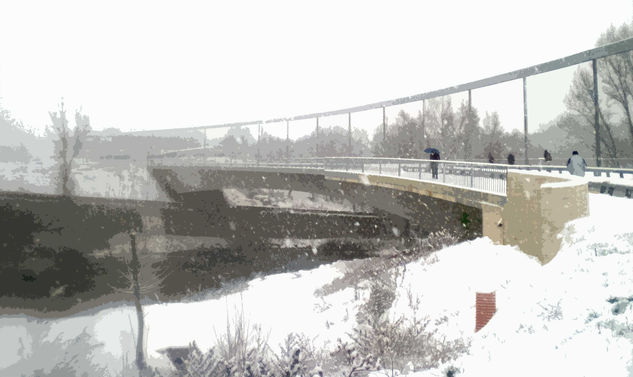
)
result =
(560, 203)
(461, 195)
(492, 222)
(430, 207)
(536, 210)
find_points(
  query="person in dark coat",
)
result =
(491, 159)
(547, 156)
(511, 159)
(434, 165)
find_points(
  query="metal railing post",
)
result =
(384, 126)
(419, 170)
(349, 132)
(317, 136)
(399, 169)
(259, 134)
(444, 173)
(379, 167)
(472, 176)
(287, 139)
(596, 110)
(525, 120)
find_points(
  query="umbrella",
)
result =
(431, 150)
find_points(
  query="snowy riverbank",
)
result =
(571, 317)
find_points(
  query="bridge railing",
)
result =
(474, 175)
(607, 172)
(478, 176)
(230, 163)
(595, 171)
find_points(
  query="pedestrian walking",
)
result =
(434, 165)
(510, 159)
(491, 159)
(547, 156)
(576, 164)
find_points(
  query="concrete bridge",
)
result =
(525, 208)
(517, 205)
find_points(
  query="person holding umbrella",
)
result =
(435, 155)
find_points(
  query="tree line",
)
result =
(457, 133)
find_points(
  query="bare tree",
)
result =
(467, 123)
(448, 129)
(615, 76)
(454, 132)
(492, 133)
(433, 123)
(422, 133)
(616, 72)
(579, 100)
(68, 145)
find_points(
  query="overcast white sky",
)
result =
(156, 64)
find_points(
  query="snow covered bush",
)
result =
(243, 349)
(198, 363)
(350, 362)
(403, 340)
(298, 357)
(249, 356)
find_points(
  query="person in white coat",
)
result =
(576, 164)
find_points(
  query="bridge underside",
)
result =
(423, 213)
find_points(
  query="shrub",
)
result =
(403, 340)
(350, 361)
(297, 357)
(198, 363)
(249, 356)
(242, 349)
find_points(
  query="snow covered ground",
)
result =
(571, 317)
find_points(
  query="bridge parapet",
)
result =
(536, 211)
